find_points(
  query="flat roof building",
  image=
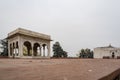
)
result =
(107, 52)
(24, 43)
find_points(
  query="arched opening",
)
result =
(11, 53)
(113, 55)
(27, 49)
(17, 48)
(36, 49)
(14, 48)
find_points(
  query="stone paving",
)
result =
(56, 69)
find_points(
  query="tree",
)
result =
(86, 53)
(58, 51)
(65, 54)
(82, 53)
(4, 44)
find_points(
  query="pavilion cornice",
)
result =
(21, 31)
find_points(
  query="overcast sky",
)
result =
(75, 24)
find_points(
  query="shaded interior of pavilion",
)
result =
(29, 50)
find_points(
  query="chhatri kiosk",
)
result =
(24, 43)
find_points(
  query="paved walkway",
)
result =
(56, 69)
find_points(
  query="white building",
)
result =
(107, 52)
(24, 43)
